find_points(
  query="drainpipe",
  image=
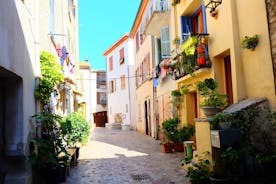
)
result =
(154, 91)
(129, 100)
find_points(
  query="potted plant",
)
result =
(183, 134)
(75, 129)
(170, 132)
(176, 98)
(199, 169)
(250, 42)
(48, 153)
(213, 101)
(184, 89)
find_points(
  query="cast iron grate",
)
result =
(140, 177)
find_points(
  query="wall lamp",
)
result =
(213, 4)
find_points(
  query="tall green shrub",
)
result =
(75, 128)
(51, 72)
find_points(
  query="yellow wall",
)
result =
(252, 71)
(145, 91)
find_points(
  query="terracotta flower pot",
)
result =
(167, 147)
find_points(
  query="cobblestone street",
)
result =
(125, 157)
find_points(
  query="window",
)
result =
(101, 98)
(101, 80)
(165, 42)
(110, 63)
(112, 86)
(123, 82)
(143, 71)
(137, 41)
(194, 23)
(197, 22)
(122, 56)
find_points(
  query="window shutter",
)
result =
(110, 63)
(108, 86)
(186, 26)
(148, 63)
(98, 98)
(122, 55)
(165, 42)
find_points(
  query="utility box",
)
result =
(223, 138)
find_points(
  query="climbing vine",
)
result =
(51, 72)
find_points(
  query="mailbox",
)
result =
(222, 138)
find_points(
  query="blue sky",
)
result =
(101, 23)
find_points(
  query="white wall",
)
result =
(132, 84)
(19, 55)
(119, 101)
(87, 91)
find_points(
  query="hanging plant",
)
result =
(175, 2)
(250, 42)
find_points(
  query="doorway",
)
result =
(147, 117)
(228, 79)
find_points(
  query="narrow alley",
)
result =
(123, 157)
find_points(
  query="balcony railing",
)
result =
(161, 5)
(159, 17)
(192, 56)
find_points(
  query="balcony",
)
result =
(159, 17)
(192, 56)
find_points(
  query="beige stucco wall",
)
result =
(252, 72)
(145, 91)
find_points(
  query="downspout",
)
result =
(129, 100)
(154, 91)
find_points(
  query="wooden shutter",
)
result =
(186, 26)
(197, 22)
(137, 41)
(122, 57)
(123, 82)
(148, 64)
(98, 98)
(110, 63)
(165, 42)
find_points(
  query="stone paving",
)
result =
(125, 157)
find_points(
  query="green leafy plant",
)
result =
(75, 128)
(184, 89)
(176, 97)
(199, 170)
(51, 72)
(221, 118)
(46, 149)
(170, 130)
(250, 42)
(185, 133)
(208, 90)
